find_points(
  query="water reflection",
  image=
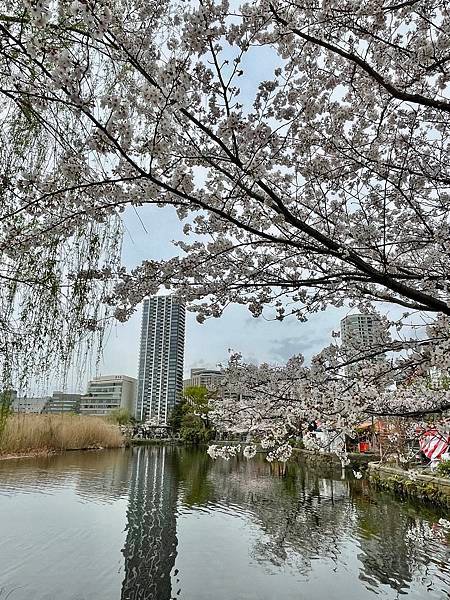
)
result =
(157, 523)
(398, 548)
(95, 475)
(150, 547)
(302, 517)
(306, 518)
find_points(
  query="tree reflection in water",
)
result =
(306, 516)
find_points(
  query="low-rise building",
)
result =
(213, 380)
(107, 393)
(208, 378)
(61, 402)
(25, 404)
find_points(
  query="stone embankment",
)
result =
(412, 484)
(357, 460)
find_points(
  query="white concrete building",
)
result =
(209, 378)
(107, 393)
(62, 402)
(160, 381)
(24, 404)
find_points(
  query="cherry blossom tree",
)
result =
(276, 405)
(303, 146)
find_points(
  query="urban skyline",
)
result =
(159, 338)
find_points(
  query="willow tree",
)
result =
(50, 305)
(304, 147)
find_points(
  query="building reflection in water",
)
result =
(302, 518)
(151, 544)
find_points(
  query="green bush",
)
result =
(189, 419)
(443, 468)
(194, 430)
(5, 409)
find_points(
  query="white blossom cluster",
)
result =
(249, 451)
(275, 405)
(281, 453)
(226, 451)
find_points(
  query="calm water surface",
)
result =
(160, 523)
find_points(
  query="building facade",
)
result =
(25, 404)
(160, 381)
(213, 380)
(60, 402)
(209, 378)
(361, 330)
(107, 393)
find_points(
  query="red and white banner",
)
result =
(434, 443)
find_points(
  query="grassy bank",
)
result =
(25, 434)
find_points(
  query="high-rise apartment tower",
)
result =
(160, 381)
(361, 330)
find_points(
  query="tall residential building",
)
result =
(108, 393)
(361, 331)
(209, 378)
(160, 381)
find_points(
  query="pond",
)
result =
(156, 523)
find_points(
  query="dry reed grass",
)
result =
(38, 433)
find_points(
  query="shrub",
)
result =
(5, 410)
(443, 468)
(194, 430)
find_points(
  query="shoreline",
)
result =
(429, 489)
(46, 453)
(31, 454)
(358, 460)
(425, 488)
